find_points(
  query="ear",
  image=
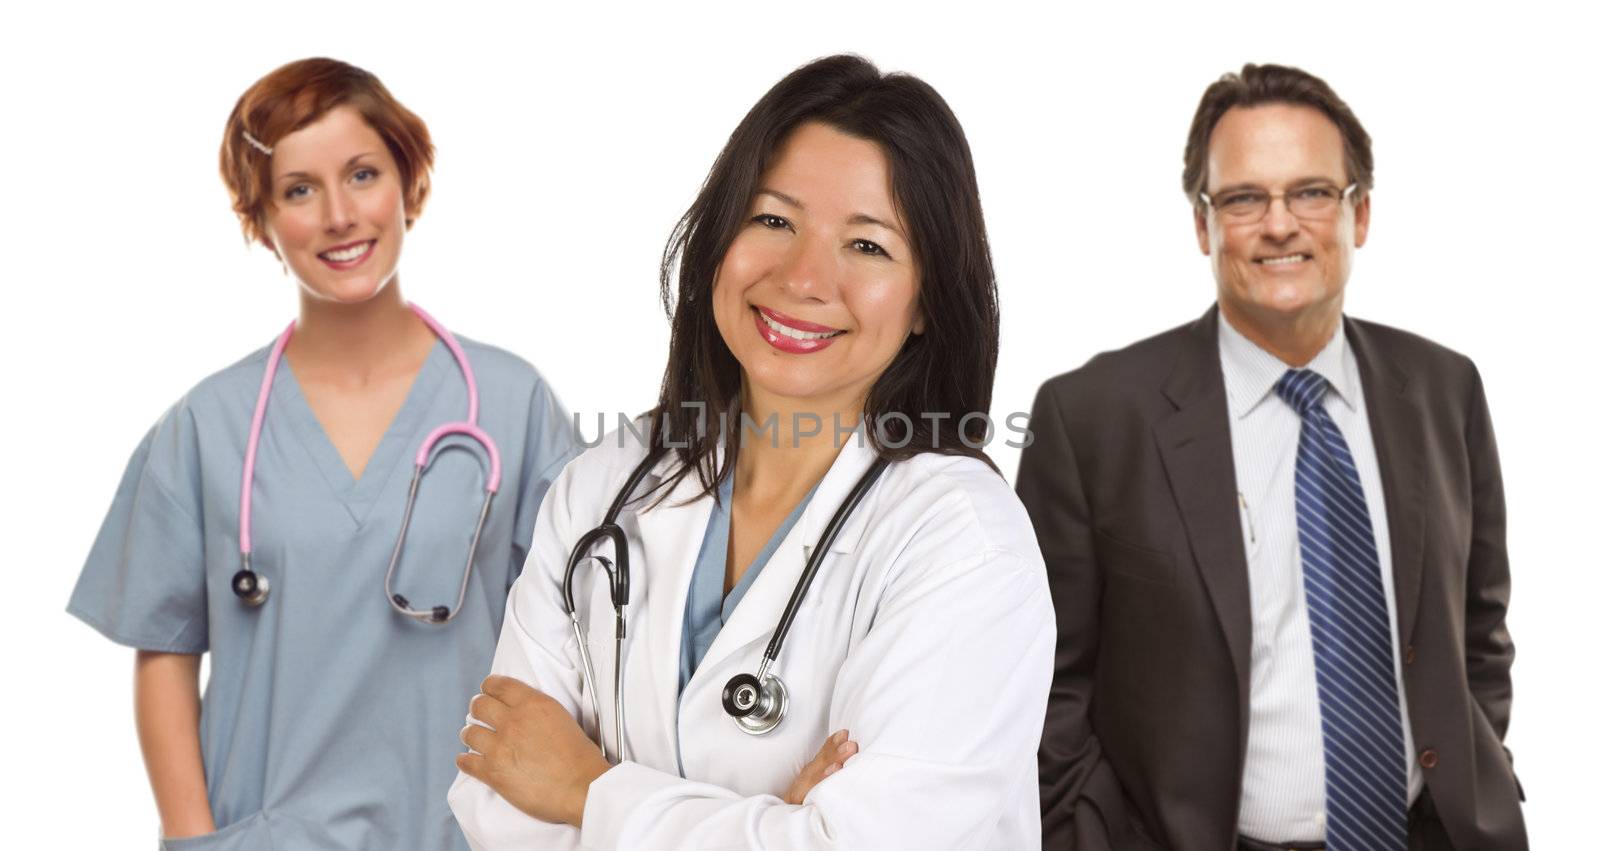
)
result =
(1202, 230)
(919, 323)
(1363, 218)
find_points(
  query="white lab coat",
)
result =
(928, 634)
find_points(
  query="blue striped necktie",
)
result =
(1362, 741)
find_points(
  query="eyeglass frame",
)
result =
(1347, 192)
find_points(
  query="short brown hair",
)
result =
(296, 95)
(1262, 84)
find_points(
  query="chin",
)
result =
(348, 290)
(1284, 297)
(783, 383)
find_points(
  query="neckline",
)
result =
(403, 432)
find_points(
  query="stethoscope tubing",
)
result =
(758, 703)
(814, 562)
(256, 419)
(617, 578)
(253, 588)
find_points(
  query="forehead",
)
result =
(833, 173)
(327, 143)
(1272, 145)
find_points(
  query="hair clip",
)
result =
(256, 142)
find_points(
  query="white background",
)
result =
(571, 140)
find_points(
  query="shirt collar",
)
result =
(1250, 371)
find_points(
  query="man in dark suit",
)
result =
(1275, 537)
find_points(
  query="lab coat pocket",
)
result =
(247, 834)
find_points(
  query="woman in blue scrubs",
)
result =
(328, 171)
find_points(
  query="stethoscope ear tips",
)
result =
(250, 587)
(438, 614)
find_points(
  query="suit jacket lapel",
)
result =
(1397, 422)
(1197, 452)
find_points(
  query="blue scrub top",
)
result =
(707, 609)
(329, 721)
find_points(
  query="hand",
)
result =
(835, 751)
(533, 753)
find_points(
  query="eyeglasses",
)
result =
(1315, 202)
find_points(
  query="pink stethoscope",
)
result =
(251, 587)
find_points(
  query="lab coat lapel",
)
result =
(756, 616)
(664, 549)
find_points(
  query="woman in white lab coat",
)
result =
(833, 272)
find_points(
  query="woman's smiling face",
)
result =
(338, 215)
(819, 289)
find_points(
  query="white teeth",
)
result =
(348, 254)
(796, 334)
(1279, 261)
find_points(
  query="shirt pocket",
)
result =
(273, 830)
(246, 834)
(1132, 560)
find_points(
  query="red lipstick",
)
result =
(766, 318)
(352, 263)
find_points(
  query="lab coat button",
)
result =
(1429, 758)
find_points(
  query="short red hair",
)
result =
(296, 95)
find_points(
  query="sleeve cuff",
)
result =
(182, 644)
(616, 794)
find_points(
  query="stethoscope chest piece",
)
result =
(249, 586)
(756, 706)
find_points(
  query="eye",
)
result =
(297, 192)
(1241, 200)
(868, 247)
(366, 174)
(1317, 193)
(768, 220)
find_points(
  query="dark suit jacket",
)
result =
(1130, 483)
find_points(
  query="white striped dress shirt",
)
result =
(1283, 799)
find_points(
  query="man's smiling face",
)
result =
(1280, 267)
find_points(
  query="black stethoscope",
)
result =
(756, 702)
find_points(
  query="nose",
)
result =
(1279, 224)
(339, 213)
(809, 270)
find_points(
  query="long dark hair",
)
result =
(946, 370)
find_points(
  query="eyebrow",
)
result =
(1297, 183)
(857, 219)
(347, 163)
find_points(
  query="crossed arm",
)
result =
(942, 730)
(531, 752)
